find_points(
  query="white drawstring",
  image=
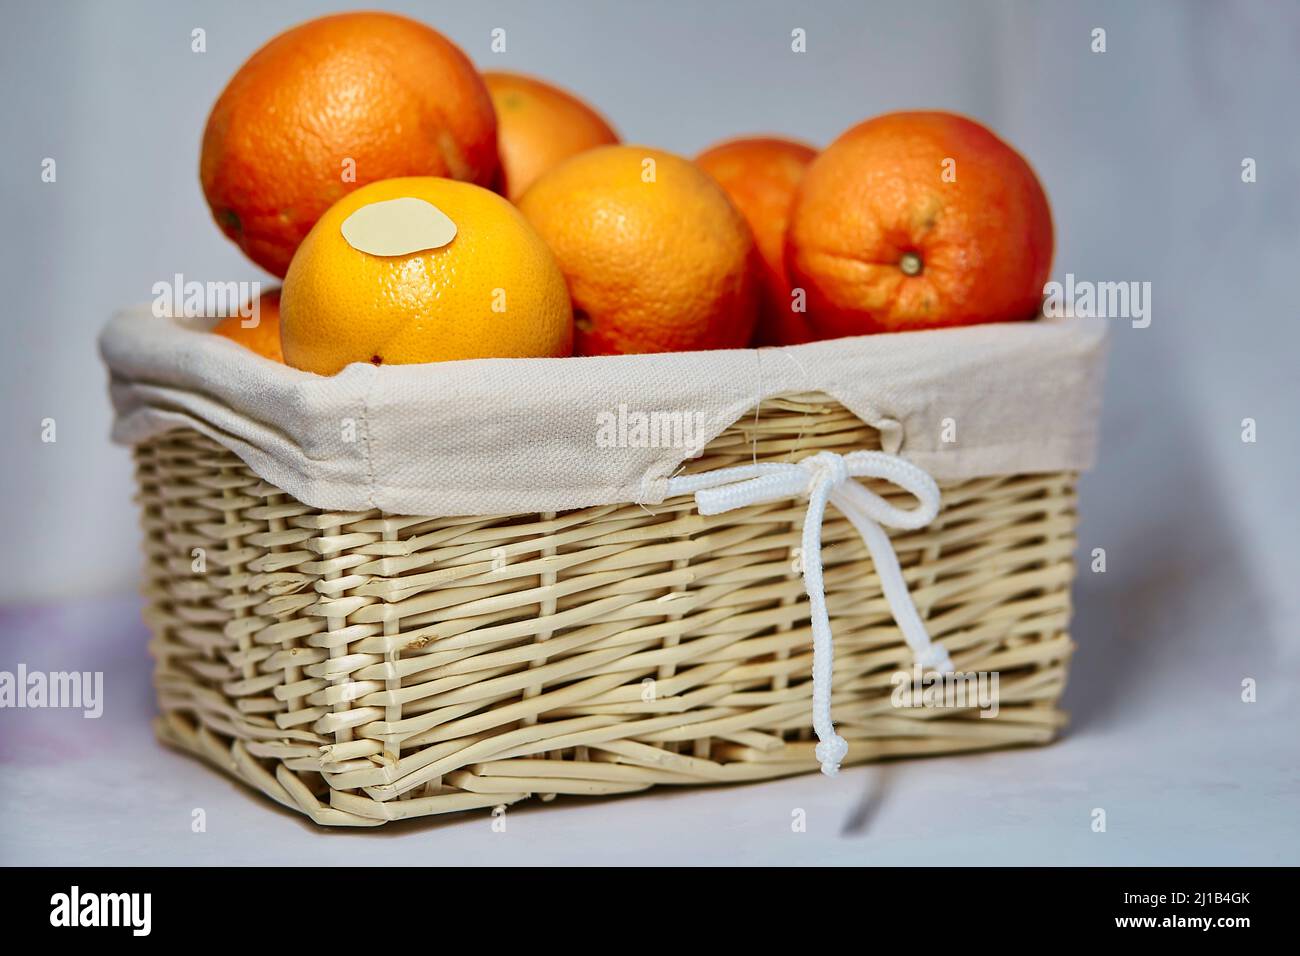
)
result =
(826, 477)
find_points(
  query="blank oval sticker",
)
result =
(398, 227)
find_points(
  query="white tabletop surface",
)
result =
(1186, 771)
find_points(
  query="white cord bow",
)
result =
(826, 476)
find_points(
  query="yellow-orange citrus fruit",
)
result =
(333, 104)
(761, 175)
(917, 221)
(656, 256)
(263, 338)
(493, 291)
(539, 126)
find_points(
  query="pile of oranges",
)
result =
(420, 211)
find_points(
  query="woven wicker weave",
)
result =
(362, 668)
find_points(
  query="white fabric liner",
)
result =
(508, 436)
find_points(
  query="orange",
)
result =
(263, 338)
(493, 291)
(761, 175)
(656, 256)
(917, 221)
(538, 126)
(333, 104)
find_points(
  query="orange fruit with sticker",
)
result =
(422, 269)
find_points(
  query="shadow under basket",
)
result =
(365, 667)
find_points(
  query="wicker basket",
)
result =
(364, 667)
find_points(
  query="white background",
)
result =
(1140, 150)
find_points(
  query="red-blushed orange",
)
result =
(333, 104)
(917, 221)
